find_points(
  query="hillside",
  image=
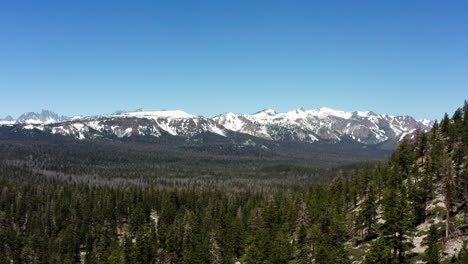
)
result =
(78, 201)
(414, 207)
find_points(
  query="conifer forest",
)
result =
(68, 201)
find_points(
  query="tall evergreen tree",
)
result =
(433, 247)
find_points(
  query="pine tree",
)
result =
(448, 184)
(379, 253)
(369, 209)
(302, 245)
(432, 251)
(445, 125)
(396, 214)
(422, 146)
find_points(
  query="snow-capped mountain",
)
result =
(8, 120)
(44, 117)
(143, 123)
(323, 124)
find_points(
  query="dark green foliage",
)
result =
(396, 214)
(462, 258)
(48, 221)
(94, 204)
(433, 246)
(379, 253)
(405, 185)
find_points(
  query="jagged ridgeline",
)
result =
(411, 208)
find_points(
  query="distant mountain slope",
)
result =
(154, 123)
(44, 117)
(299, 125)
(322, 124)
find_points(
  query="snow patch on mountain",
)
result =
(324, 112)
(176, 114)
(44, 117)
(426, 122)
(313, 125)
(322, 123)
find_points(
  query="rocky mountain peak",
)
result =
(301, 125)
(7, 118)
(45, 116)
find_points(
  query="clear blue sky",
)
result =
(210, 57)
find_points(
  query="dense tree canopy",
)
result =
(51, 215)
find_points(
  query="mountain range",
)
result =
(299, 125)
(44, 117)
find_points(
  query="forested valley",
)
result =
(75, 203)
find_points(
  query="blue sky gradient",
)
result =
(210, 57)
